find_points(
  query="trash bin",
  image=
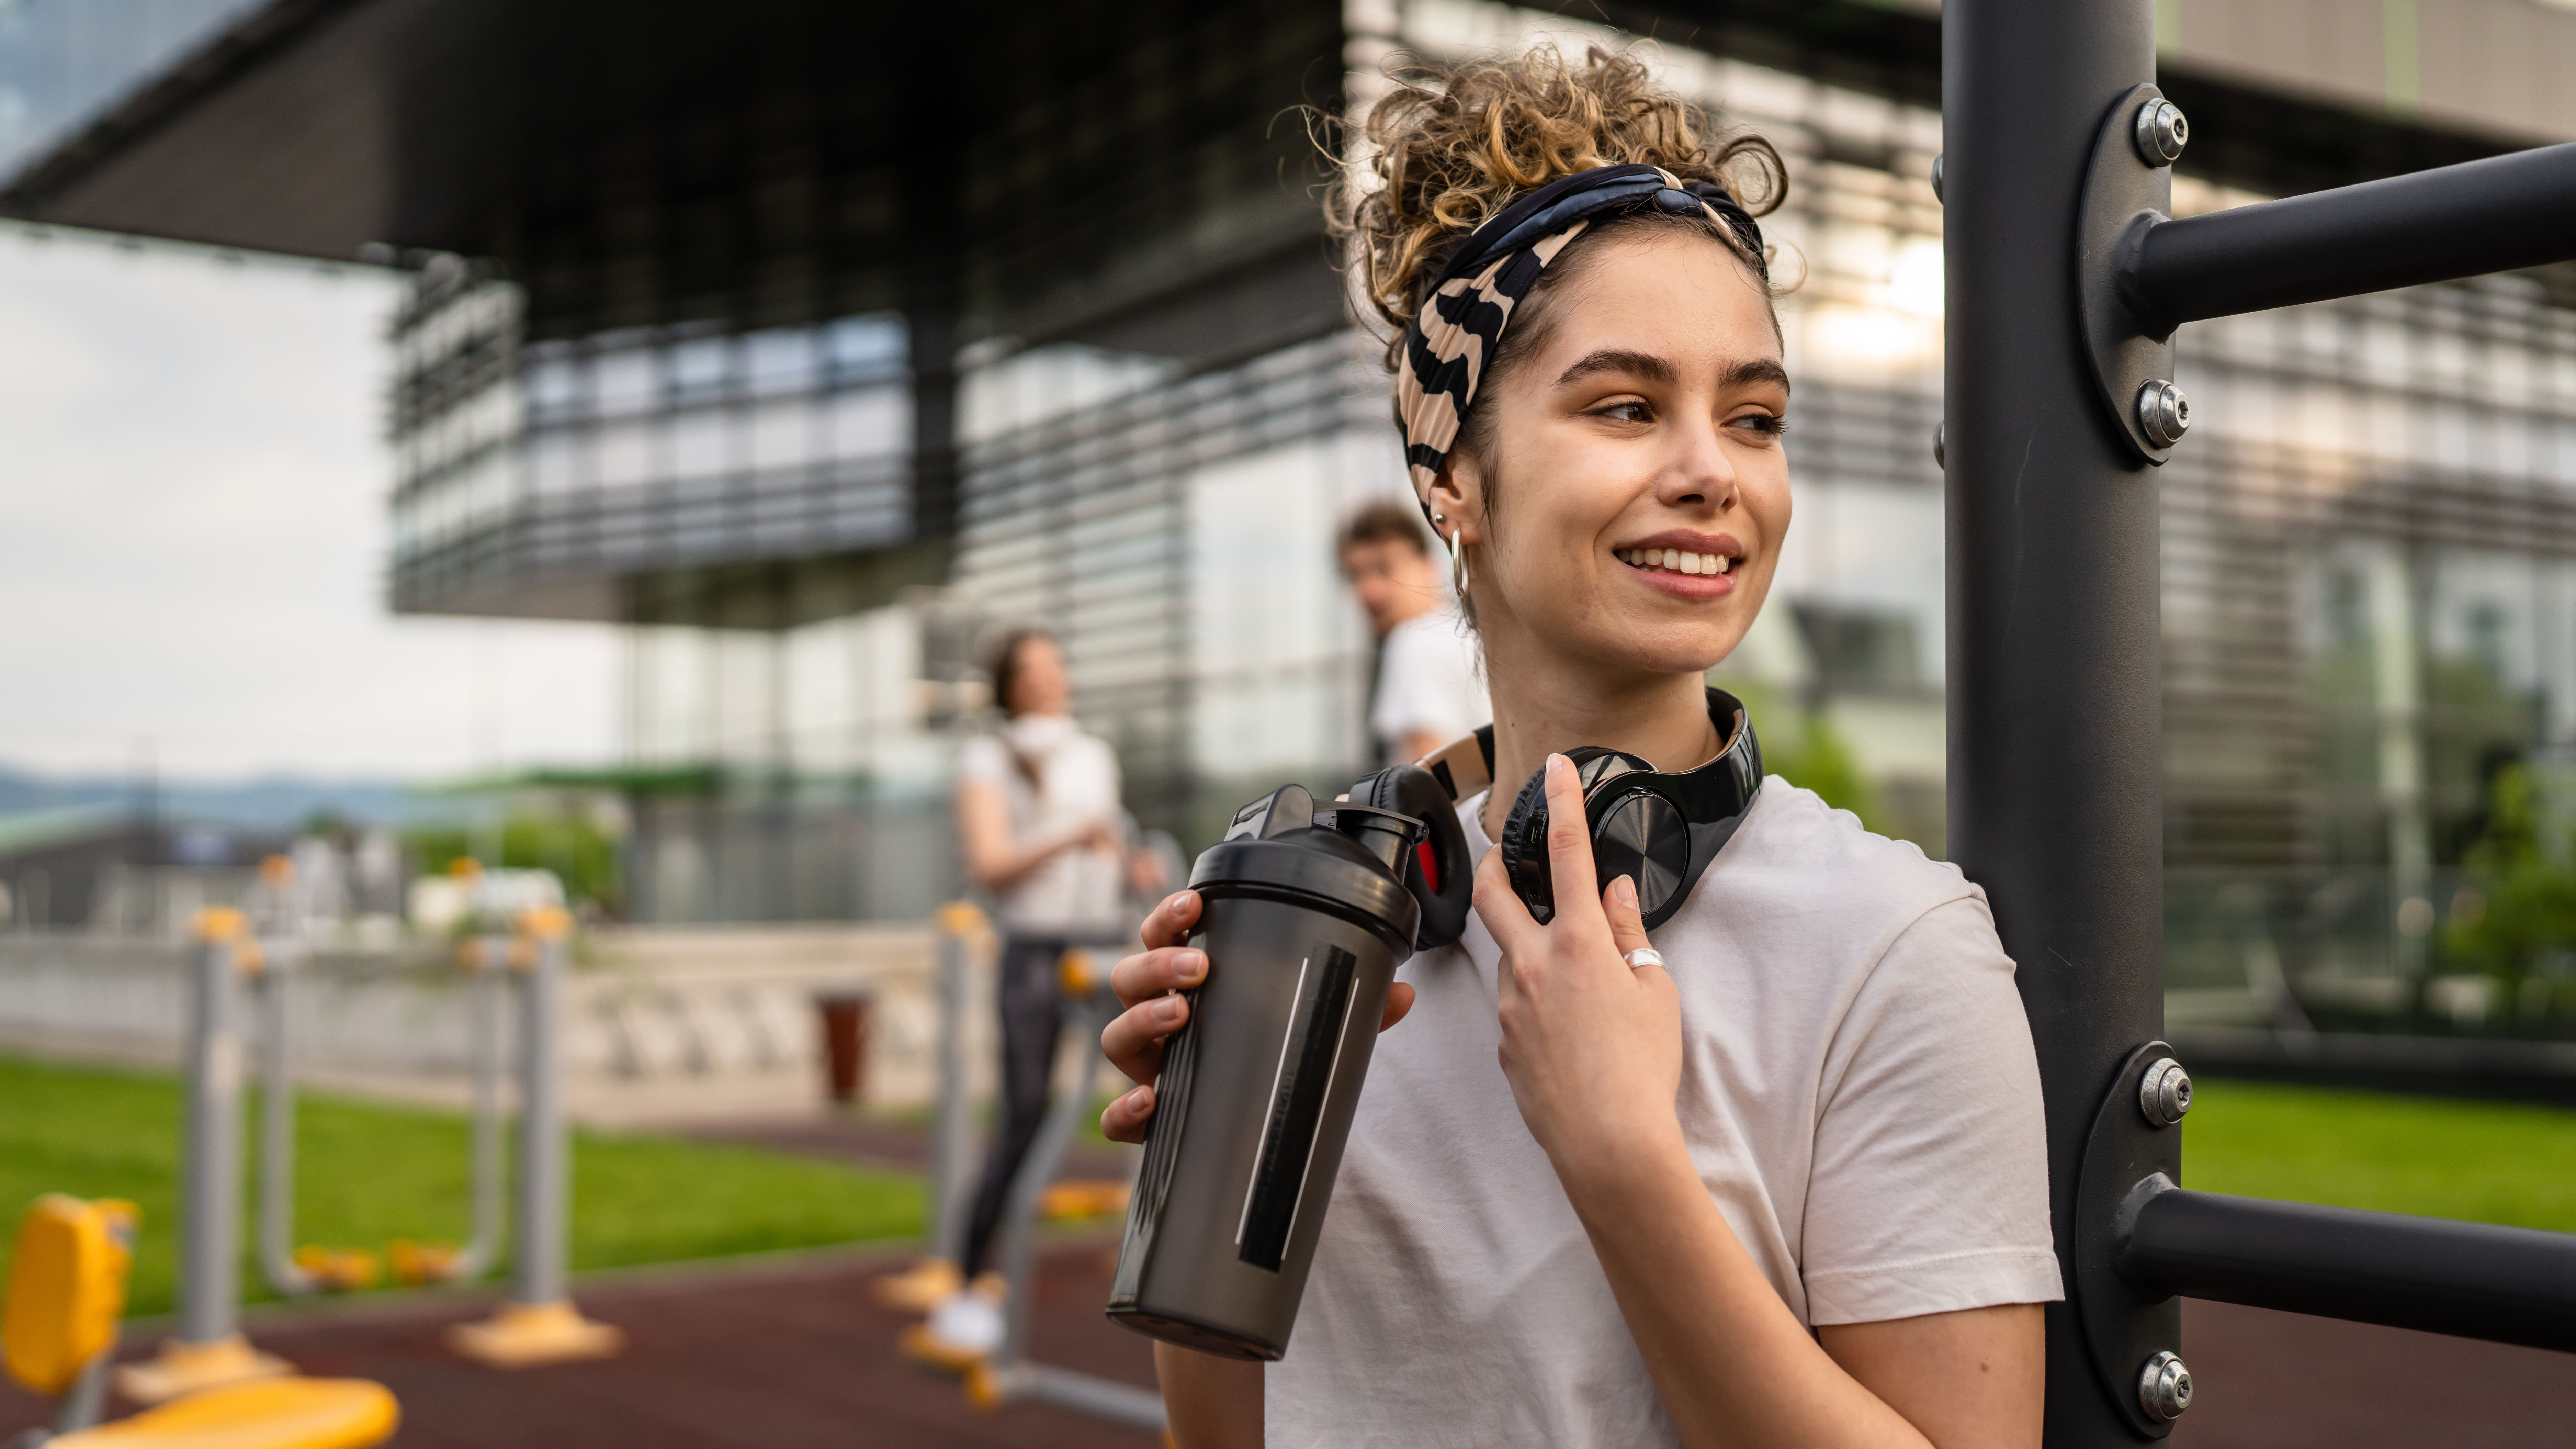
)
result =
(845, 1042)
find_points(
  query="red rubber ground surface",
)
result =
(785, 1356)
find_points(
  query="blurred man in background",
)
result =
(1427, 689)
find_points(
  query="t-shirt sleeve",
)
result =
(983, 758)
(1427, 682)
(1930, 1187)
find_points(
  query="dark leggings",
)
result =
(1032, 1006)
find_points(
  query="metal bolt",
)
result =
(2162, 133)
(2163, 412)
(1936, 178)
(2164, 1387)
(1941, 445)
(2164, 1093)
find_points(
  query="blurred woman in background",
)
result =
(1045, 835)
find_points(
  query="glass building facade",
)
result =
(742, 428)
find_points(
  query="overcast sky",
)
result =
(192, 538)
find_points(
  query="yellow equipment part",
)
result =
(417, 1263)
(66, 1288)
(1082, 1199)
(342, 1270)
(292, 1413)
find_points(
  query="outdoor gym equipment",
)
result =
(207, 1347)
(1010, 1375)
(58, 1329)
(538, 1324)
(293, 1272)
(2066, 282)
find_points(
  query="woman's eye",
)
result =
(1768, 425)
(1625, 412)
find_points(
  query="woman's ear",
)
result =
(1454, 500)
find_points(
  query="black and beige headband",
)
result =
(1448, 343)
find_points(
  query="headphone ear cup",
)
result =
(1524, 848)
(1446, 891)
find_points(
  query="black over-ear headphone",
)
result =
(1661, 829)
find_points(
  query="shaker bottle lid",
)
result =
(1338, 861)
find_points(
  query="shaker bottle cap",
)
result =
(1347, 860)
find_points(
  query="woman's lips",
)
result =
(1681, 574)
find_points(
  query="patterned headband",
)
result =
(1448, 344)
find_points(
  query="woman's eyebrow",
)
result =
(1643, 365)
(1754, 370)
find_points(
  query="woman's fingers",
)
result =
(1133, 1039)
(1169, 924)
(1569, 839)
(1127, 1116)
(1149, 974)
(1500, 907)
(1627, 924)
(1399, 1000)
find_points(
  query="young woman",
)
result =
(1788, 1188)
(1039, 816)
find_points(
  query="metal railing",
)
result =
(2067, 280)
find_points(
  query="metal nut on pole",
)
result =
(2164, 1092)
(1936, 178)
(2163, 413)
(2164, 1387)
(1941, 445)
(2162, 133)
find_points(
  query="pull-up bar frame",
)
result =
(2066, 281)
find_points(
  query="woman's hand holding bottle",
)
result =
(1149, 984)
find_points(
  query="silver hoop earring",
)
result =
(1458, 565)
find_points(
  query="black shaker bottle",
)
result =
(1305, 916)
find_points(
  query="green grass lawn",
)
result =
(2439, 1157)
(369, 1173)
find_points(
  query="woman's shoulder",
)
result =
(1801, 854)
(983, 757)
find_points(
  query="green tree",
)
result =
(580, 854)
(2523, 908)
(1801, 746)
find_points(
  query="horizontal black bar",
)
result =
(2467, 220)
(2469, 1280)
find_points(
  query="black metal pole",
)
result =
(2053, 600)
(2433, 226)
(2471, 1280)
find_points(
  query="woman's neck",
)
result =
(1543, 706)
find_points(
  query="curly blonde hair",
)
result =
(1455, 144)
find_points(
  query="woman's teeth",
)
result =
(1674, 560)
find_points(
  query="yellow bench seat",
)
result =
(288, 1413)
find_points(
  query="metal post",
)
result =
(208, 1347)
(2053, 612)
(486, 1027)
(950, 1150)
(210, 1184)
(277, 1131)
(538, 1236)
(539, 1323)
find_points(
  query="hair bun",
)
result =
(1451, 146)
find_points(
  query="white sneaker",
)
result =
(967, 1322)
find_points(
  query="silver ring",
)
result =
(1643, 956)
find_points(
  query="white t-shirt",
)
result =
(1858, 1091)
(1074, 891)
(1427, 681)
